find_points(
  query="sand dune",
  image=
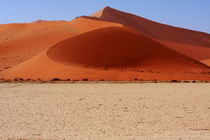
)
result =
(121, 53)
(27, 40)
(179, 37)
(109, 45)
(119, 47)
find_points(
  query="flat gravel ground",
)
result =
(104, 111)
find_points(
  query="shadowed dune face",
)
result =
(116, 47)
(165, 34)
(196, 52)
(108, 47)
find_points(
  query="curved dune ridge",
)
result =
(119, 47)
(207, 62)
(178, 39)
(109, 45)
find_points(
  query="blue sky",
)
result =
(191, 14)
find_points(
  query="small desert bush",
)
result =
(55, 79)
(85, 79)
(174, 81)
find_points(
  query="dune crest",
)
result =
(101, 12)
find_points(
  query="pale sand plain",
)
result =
(99, 111)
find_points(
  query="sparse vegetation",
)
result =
(68, 79)
(85, 79)
(174, 81)
(18, 79)
(55, 79)
(7, 67)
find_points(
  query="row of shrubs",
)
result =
(86, 79)
(53, 79)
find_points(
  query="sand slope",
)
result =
(121, 55)
(179, 37)
(27, 40)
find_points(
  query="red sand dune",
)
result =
(112, 53)
(181, 39)
(111, 46)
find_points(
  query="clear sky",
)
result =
(191, 14)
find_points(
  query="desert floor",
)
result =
(134, 111)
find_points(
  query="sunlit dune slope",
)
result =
(19, 42)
